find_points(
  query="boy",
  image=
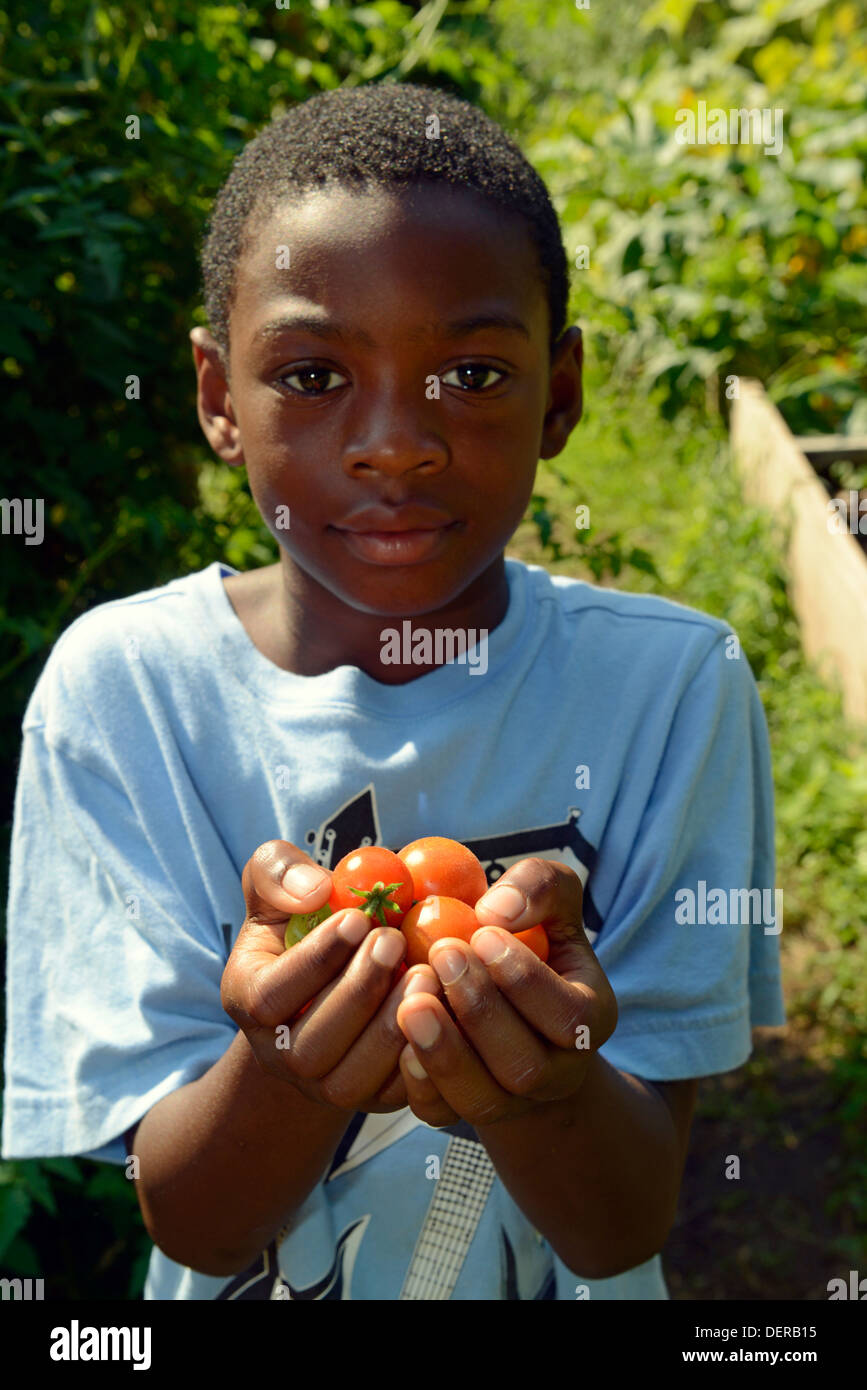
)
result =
(485, 1126)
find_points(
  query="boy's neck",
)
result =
(303, 628)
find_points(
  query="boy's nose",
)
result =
(395, 450)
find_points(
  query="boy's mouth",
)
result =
(396, 536)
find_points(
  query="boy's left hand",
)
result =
(518, 1020)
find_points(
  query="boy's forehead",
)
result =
(425, 243)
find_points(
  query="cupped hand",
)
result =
(514, 1033)
(344, 1053)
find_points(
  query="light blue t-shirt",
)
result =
(620, 734)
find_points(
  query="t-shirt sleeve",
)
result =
(690, 941)
(113, 968)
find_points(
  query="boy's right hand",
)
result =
(344, 1053)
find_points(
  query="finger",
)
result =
(423, 1098)
(392, 1096)
(546, 893)
(456, 1070)
(569, 1012)
(511, 1050)
(371, 1063)
(280, 879)
(336, 1020)
(267, 987)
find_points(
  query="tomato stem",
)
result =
(377, 898)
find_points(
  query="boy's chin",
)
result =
(395, 596)
(393, 591)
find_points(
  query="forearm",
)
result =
(598, 1175)
(227, 1159)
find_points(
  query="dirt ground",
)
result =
(767, 1235)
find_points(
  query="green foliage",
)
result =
(603, 555)
(74, 1223)
(708, 260)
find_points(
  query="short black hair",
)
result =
(376, 135)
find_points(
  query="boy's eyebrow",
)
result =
(305, 323)
(474, 323)
(326, 328)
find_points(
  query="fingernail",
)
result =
(449, 964)
(506, 901)
(489, 945)
(301, 879)
(423, 1027)
(415, 1068)
(354, 926)
(419, 984)
(387, 950)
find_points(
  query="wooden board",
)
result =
(828, 569)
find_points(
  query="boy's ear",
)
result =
(213, 399)
(565, 394)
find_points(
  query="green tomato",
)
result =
(300, 923)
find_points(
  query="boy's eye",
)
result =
(472, 370)
(307, 374)
(471, 376)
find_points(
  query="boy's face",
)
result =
(401, 408)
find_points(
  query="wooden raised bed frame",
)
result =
(827, 569)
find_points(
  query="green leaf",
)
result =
(64, 115)
(162, 122)
(14, 344)
(15, 1207)
(642, 560)
(38, 194)
(64, 1168)
(38, 1184)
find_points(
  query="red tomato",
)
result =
(537, 940)
(434, 917)
(437, 916)
(374, 880)
(444, 868)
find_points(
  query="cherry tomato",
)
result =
(374, 880)
(444, 868)
(537, 940)
(434, 917)
(300, 923)
(437, 916)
